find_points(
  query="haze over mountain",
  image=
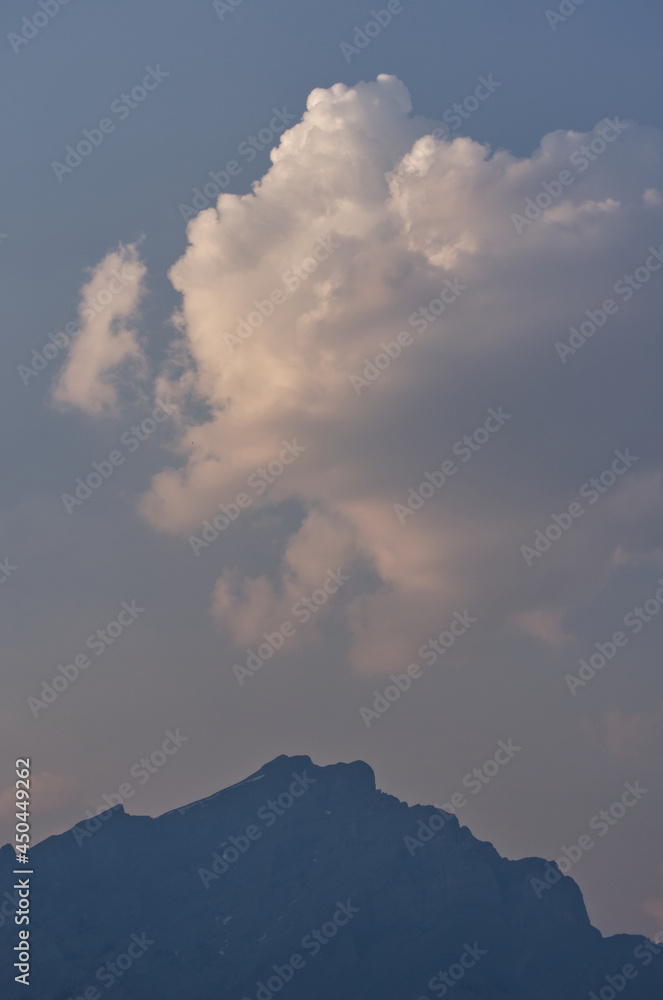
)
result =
(307, 881)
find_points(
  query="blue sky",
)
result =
(222, 78)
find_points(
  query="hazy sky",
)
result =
(369, 306)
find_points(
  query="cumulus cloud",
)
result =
(366, 227)
(106, 351)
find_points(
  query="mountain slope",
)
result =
(306, 881)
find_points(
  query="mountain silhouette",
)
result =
(307, 883)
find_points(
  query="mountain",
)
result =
(307, 883)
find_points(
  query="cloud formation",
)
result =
(106, 351)
(394, 303)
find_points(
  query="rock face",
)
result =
(307, 882)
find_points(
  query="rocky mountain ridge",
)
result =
(307, 881)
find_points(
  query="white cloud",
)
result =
(106, 348)
(392, 247)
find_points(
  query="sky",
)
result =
(331, 339)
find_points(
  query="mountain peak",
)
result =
(308, 876)
(357, 774)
